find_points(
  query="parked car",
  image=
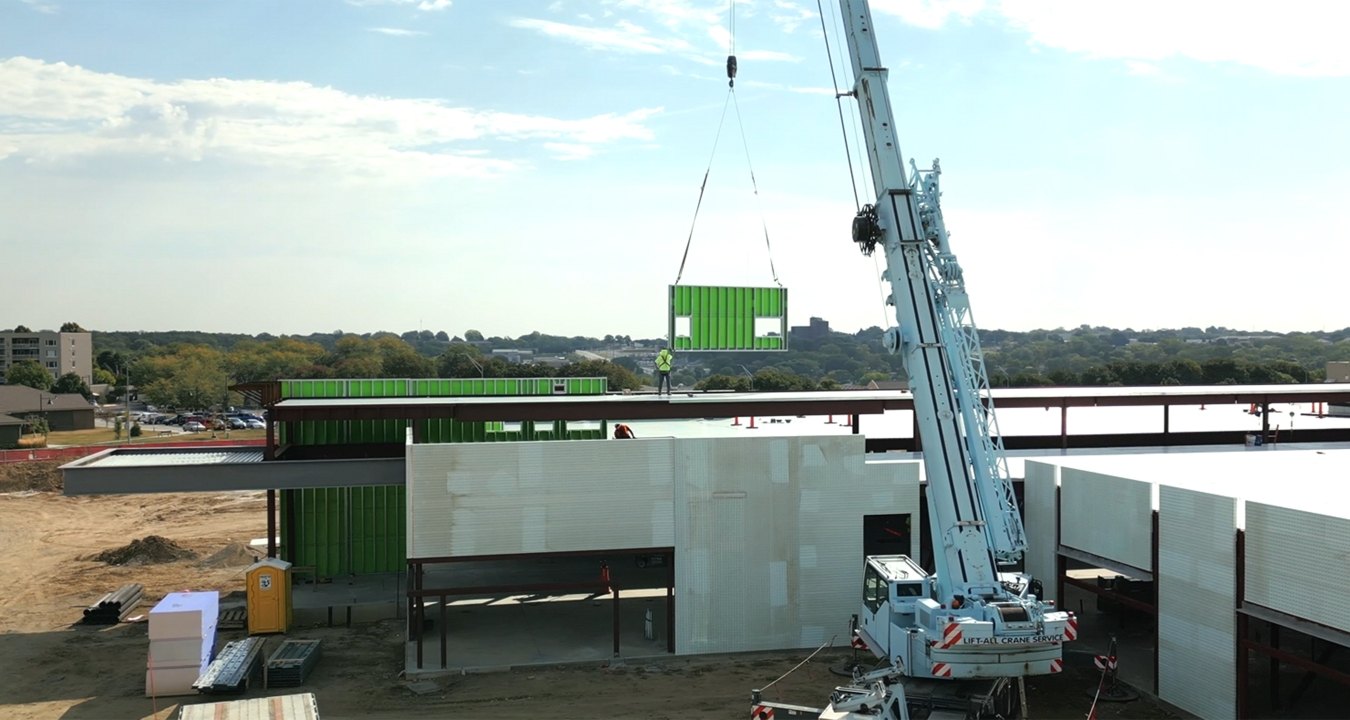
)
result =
(255, 424)
(237, 424)
(193, 426)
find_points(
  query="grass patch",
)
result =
(100, 436)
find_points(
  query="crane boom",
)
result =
(966, 619)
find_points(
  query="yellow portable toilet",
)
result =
(269, 596)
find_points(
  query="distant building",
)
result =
(68, 411)
(514, 355)
(59, 352)
(817, 330)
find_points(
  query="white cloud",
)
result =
(767, 56)
(1301, 37)
(424, 5)
(789, 16)
(1139, 67)
(569, 151)
(930, 14)
(623, 37)
(54, 112)
(396, 32)
(41, 6)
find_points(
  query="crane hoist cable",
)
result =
(843, 131)
(754, 184)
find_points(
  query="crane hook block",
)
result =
(731, 71)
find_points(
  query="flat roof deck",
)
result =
(730, 404)
(1298, 479)
(217, 469)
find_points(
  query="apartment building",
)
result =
(59, 352)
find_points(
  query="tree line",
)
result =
(174, 369)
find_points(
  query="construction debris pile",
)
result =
(21, 476)
(236, 554)
(149, 550)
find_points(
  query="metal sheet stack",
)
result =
(114, 607)
(238, 662)
(291, 663)
(277, 707)
(182, 636)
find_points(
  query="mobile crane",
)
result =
(966, 622)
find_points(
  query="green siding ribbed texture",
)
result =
(723, 318)
(442, 387)
(346, 531)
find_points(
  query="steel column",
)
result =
(1274, 654)
(670, 604)
(445, 639)
(1157, 619)
(1167, 419)
(615, 592)
(271, 522)
(1242, 625)
(1063, 426)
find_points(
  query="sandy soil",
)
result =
(55, 669)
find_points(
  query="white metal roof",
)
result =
(1316, 481)
(150, 458)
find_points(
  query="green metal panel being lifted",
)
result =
(715, 318)
(359, 530)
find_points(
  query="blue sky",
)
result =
(513, 165)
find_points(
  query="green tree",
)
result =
(30, 373)
(398, 359)
(72, 383)
(473, 336)
(103, 377)
(21, 329)
(458, 361)
(72, 327)
(620, 378)
(254, 361)
(188, 377)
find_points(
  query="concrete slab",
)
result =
(499, 633)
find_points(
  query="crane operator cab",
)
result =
(904, 623)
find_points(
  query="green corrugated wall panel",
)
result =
(723, 318)
(748, 335)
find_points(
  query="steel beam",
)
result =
(296, 474)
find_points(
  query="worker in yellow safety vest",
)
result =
(663, 362)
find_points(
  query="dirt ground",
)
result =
(53, 668)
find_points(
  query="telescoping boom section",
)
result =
(966, 619)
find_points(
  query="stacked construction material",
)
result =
(182, 636)
(232, 669)
(114, 607)
(278, 707)
(291, 663)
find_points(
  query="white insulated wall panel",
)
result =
(1196, 577)
(768, 536)
(525, 497)
(1042, 511)
(1107, 516)
(1297, 561)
